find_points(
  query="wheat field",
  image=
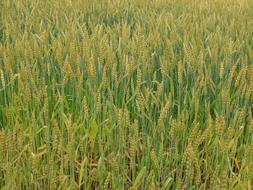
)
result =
(126, 94)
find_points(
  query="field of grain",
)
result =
(126, 94)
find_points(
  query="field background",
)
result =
(124, 94)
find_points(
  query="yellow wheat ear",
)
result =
(221, 70)
(2, 78)
(180, 72)
(3, 143)
(154, 159)
(85, 107)
(220, 124)
(160, 89)
(107, 181)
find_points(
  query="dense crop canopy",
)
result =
(126, 94)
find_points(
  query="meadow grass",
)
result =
(126, 94)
